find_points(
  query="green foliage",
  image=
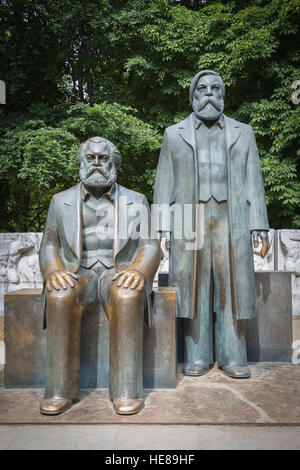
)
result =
(38, 160)
(34, 165)
(282, 190)
(276, 124)
(123, 70)
(137, 141)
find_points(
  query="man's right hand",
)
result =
(61, 279)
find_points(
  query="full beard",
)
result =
(208, 109)
(98, 178)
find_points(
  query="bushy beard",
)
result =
(97, 177)
(208, 108)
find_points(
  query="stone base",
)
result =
(270, 397)
(25, 342)
(269, 335)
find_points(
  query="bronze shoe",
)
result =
(237, 372)
(54, 406)
(128, 406)
(194, 370)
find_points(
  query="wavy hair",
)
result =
(196, 80)
(116, 154)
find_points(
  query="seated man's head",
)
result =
(207, 93)
(98, 160)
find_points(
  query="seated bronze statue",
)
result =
(86, 261)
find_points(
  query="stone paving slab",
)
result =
(148, 437)
(270, 397)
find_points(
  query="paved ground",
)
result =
(153, 437)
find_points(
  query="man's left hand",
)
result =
(263, 236)
(129, 278)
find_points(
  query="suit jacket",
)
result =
(176, 181)
(61, 246)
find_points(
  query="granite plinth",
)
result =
(25, 342)
(269, 335)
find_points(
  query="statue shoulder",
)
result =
(186, 122)
(133, 196)
(174, 129)
(67, 194)
(234, 123)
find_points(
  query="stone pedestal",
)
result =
(19, 263)
(25, 342)
(269, 335)
(25, 339)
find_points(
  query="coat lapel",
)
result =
(187, 131)
(72, 220)
(232, 131)
(121, 220)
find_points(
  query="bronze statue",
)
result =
(211, 162)
(86, 260)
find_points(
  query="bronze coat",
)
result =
(176, 181)
(61, 246)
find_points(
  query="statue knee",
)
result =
(126, 295)
(61, 296)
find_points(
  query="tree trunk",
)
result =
(73, 75)
(80, 83)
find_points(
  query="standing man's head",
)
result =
(98, 160)
(207, 93)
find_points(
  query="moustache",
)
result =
(212, 101)
(94, 170)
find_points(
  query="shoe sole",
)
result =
(192, 374)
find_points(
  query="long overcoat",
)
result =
(176, 182)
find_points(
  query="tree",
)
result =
(129, 65)
(38, 160)
(34, 164)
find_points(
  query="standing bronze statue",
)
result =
(211, 162)
(88, 256)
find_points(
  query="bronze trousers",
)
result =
(214, 295)
(125, 311)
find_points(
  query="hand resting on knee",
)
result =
(130, 278)
(60, 279)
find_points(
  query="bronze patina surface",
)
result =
(210, 162)
(85, 261)
(26, 343)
